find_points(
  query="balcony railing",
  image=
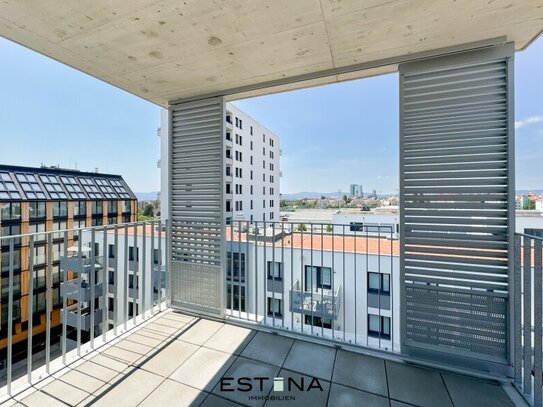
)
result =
(75, 316)
(315, 303)
(528, 319)
(312, 279)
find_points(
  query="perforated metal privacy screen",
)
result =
(196, 179)
(457, 203)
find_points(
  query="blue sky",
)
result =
(331, 135)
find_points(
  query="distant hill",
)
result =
(146, 196)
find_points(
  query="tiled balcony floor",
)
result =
(177, 360)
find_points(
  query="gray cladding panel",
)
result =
(456, 189)
(196, 182)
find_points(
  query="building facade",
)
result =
(34, 200)
(356, 191)
(252, 168)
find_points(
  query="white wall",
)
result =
(352, 278)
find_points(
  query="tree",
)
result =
(283, 203)
(301, 228)
(329, 228)
(149, 210)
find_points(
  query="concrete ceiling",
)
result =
(171, 49)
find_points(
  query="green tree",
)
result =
(301, 228)
(149, 210)
(329, 228)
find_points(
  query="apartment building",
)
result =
(356, 190)
(34, 200)
(251, 168)
(334, 285)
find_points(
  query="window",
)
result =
(8, 190)
(263, 138)
(72, 186)
(534, 232)
(271, 142)
(111, 220)
(52, 185)
(228, 153)
(379, 283)
(379, 326)
(126, 207)
(16, 261)
(10, 211)
(272, 217)
(237, 264)
(156, 256)
(228, 206)
(251, 174)
(36, 210)
(37, 228)
(263, 150)
(228, 136)
(318, 321)
(39, 279)
(30, 186)
(112, 207)
(111, 251)
(60, 225)
(235, 299)
(263, 190)
(251, 205)
(251, 160)
(237, 122)
(133, 281)
(271, 154)
(229, 171)
(275, 307)
(271, 203)
(251, 188)
(263, 203)
(11, 230)
(111, 277)
(80, 208)
(60, 209)
(228, 188)
(275, 270)
(271, 166)
(229, 119)
(133, 253)
(241, 124)
(251, 144)
(39, 255)
(97, 222)
(271, 191)
(251, 130)
(271, 178)
(317, 278)
(97, 208)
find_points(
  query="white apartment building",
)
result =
(252, 168)
(356, 190)
(350, 296)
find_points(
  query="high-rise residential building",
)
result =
(34, 200)
(251, 168)
(356, 191)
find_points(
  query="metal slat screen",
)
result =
(196, 179)
(456, 189)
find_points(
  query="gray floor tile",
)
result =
(39, 399)
(163, 329)
(200, 332)
(248, 368)
(131, 391)
(214, 401)
(145, 340)
(230, 339)
(341, 396)
(122, 355)
(82, 381)
(98, 371)
(165, 362)
(134, 346)
(268, 348)
(175, 394)
(311, 359)
(63, 391)
(466, 392)
(109, 362)
(311, 395)
(361, 372)
(203, 369)
(415, 385)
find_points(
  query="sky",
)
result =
(331, 136)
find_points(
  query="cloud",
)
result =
(528, 120)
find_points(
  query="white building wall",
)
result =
(354, 309)
(265, 180)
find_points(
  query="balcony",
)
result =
(150, 356)
(323, 304)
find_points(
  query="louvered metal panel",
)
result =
(457, 206)
(196, 208)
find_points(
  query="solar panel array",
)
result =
(18, 185)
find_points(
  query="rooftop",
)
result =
(154, 364)
(48, 183)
